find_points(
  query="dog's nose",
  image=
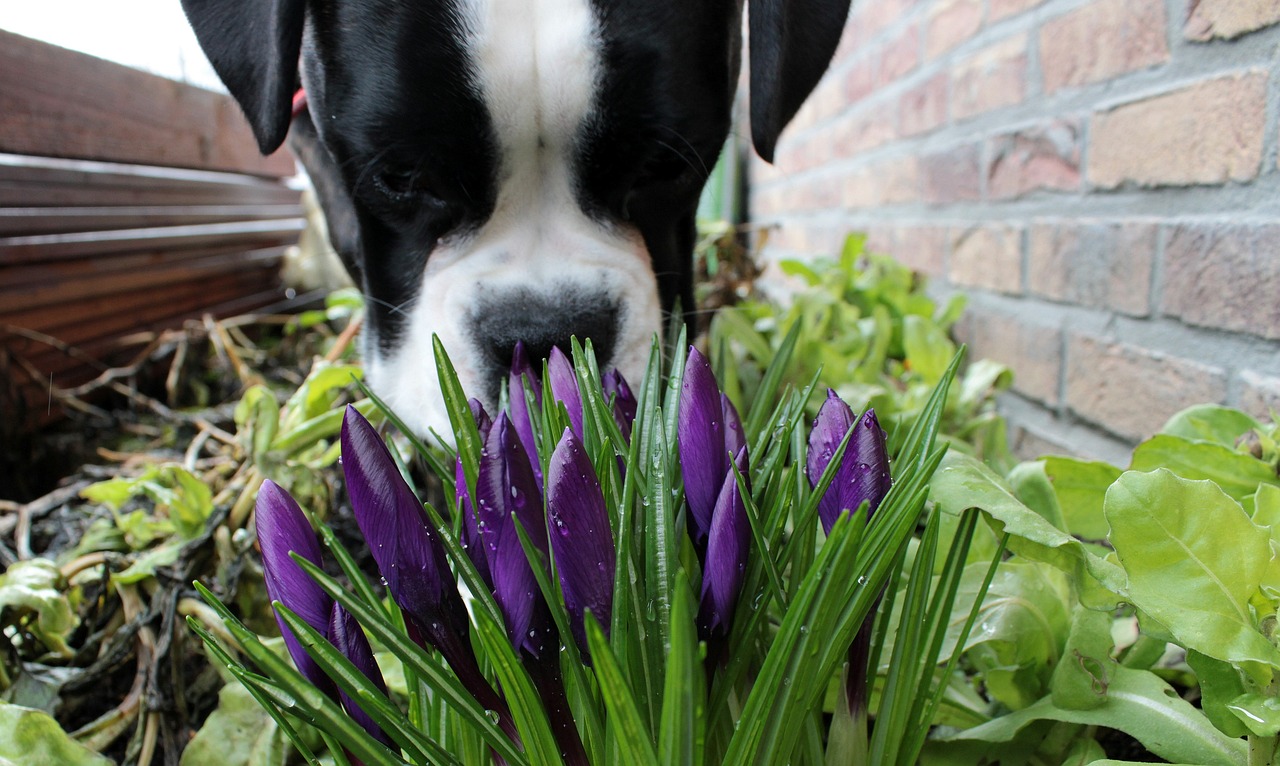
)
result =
(541, 322)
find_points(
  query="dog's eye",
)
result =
(402, 184)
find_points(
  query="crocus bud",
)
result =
(863, 473)
(522, 371)
(403, 543)
(505, 491)
(282, 527)
(470, 533)
(345, 634)
(564, 387)
(708, 428)
(624, 402)
(727, 545)
(581, 538)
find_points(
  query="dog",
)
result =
(503, 170)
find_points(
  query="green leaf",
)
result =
(1081, 677)
(239, 732)
(629, 731)
(1194, 560)
(1220, 685)
(1210, 423)
(34, 586)
(928, 347)
(146, 565)
(1081, 486)
(257, 418)
(32, 738)
(1139, 704)
(680, 735)
(1236, 473)
(963, 482)
(1259, 713)
(1031, 485)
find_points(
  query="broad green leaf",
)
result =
(237, 733)
(34, 586)
(981, 380)
(322, 387)
(1193, 559)
(929, 350)
(146, 564)
(1258, 712)
(1081, 486)
(1220, 685)
(1081, 677)
(32, 738)
(257, 418)
(1140, 704)
(1031, 485)
(1236, 473)
(1211, 423)
(962, 482)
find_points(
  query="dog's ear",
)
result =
(253, 46)
(791, 42)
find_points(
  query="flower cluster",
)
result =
(558, 502)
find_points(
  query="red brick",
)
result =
(900, 56)
(886, 182)
(868, 20)
(865, 130)
(860, 80)
(1132, 391)
(1227, 19)
(1033, 352)
(1093, 264)
(952, 175)
(1261, 395)
(1102, 40)
(1224, 276)
(1206, 133)
(923, 107)
(987, 257)
(951, 22)
(994, 78)
(1044, 157)
(922, 248)
(1000, 9)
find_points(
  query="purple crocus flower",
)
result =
(581, 537)
(564, 387)
(522, 371)
(281, 528)
(470, 534)
(863, 473)
(410, 557)
(624, 402)
(727, 545)
(506, 490)
(709, 432)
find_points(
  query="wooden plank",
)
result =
(48, 247)
(28, 221)
(60, 103)
(61, 272)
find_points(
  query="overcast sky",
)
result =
(147, 34)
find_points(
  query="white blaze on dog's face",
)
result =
(539, 269)
(518, 170)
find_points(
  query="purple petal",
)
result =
(470, 536)
(701, 440)
(483, 421)
(345, 634)
(403, 543)
(863, 473)
(507, 490)
(734, 438)
(564, 387)
(727, 547)
(521, 371)
(581, 538)
(624, 402)
(282, 527)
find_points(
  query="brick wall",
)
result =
(1100, 176)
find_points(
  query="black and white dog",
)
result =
(495, 170)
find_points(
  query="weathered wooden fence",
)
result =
(128, 202)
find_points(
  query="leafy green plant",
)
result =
(865, 326)
(653, 673)
(1140, 602)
